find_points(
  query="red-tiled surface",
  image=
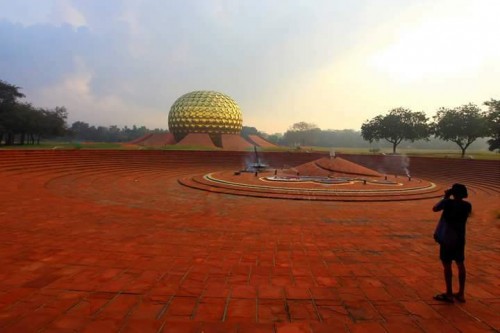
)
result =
(109, 241)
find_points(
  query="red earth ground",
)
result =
(105, 241)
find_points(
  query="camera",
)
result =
(448, 193)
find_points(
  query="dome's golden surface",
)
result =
(204, 112)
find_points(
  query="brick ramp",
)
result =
(197, 139)
(257, 140)
(158, 139)
(235, 142)
(141, 139)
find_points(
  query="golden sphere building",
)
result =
(208, 112)
(205, 120)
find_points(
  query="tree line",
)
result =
(24, 122)
(81, 131)
(461, 125)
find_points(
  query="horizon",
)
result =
(332, 64)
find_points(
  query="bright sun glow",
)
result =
(449, 45)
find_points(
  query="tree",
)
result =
(275, 138)
(54, 122)
(341, 138)
(493, 120)
(302, 133)
(82, 131)
(303, 126)
(461, 125)
(13, 118)
(9, 93)
(8, 99)
(398, 125)
(23, 122)
(246, 131)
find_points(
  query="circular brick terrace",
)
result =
(102, 241)
(396, 188)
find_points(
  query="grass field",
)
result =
(448, 153)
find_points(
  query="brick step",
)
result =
(189, 182)
(194, 155)
(483, 173)
(76, 163)
(307, 194)
(54, 171)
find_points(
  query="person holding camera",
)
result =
(450, 234)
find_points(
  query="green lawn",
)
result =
(450, 153)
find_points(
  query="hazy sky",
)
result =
(335, 63)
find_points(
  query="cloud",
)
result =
(40, 54)
(442, 57)
(63, 12)
(332, 63)
(110, 109)
(25, 12)
(149, 53)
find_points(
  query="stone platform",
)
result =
(109, 241)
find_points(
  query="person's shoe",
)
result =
(444, 298)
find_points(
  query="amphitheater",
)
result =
(113, 241)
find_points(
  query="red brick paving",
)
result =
(109, 241)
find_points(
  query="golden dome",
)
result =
(204, 112)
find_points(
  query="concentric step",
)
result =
(358, 189)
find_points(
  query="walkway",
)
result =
(109, 241)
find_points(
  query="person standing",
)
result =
(450, 234)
